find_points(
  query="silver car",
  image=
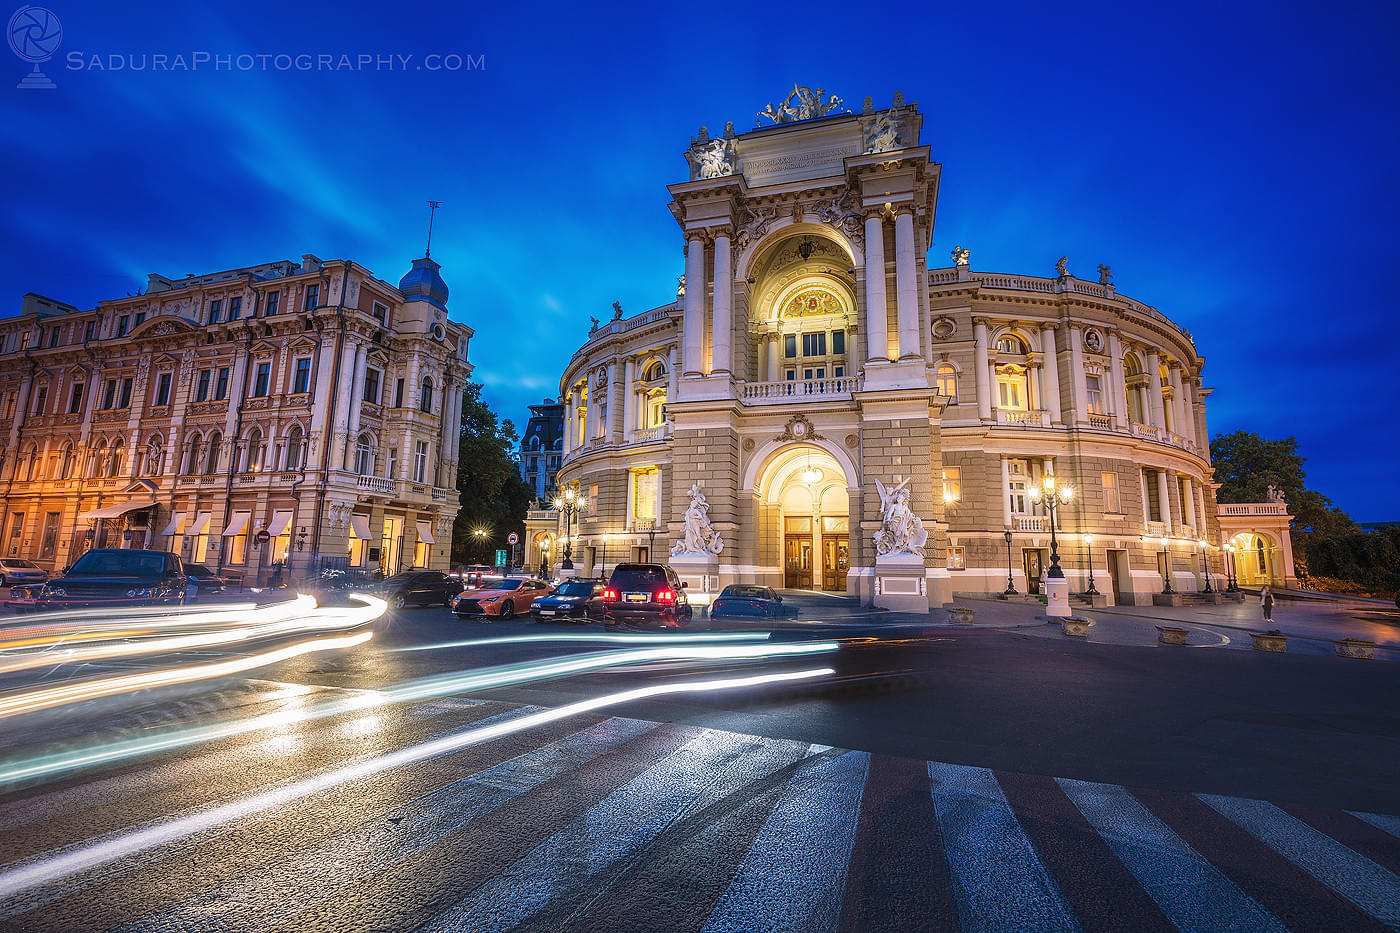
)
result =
(15, 572)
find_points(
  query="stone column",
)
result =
(1188, 403)
(1005, 492)
(1179, 409)
(629, 400)
(671, 374)
(1119, 390)
(1165, 499)
(721, 351)
(694, 324)
(1076, 375)
(617, 405)
(979, 369)
(356, 401)
(1154, 390)
(1146, 502)
(906, 285)
(774, 359)
(1051, 365)
(1189, 506)
(876, 321)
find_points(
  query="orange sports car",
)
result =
(503, 600)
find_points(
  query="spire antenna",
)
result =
(432, 209)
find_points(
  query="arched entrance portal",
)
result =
(1256, 559)
(804, 501)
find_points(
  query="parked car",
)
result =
(16, 572)
(203, 581)
(117, 577)
(748, 600)
(503, 600)
(421, 587)
(579, 600)
(646, 593)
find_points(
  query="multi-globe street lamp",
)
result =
(1089, 546)
(569, 503)
(1167, 568)
(1010, 584)
(1053, 497)
(480, 534)
(1205, 567)
(1231, 580)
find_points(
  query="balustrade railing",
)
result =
(761, 393)
(1102, 422)
(647, 435)
(1147, 430)
(1032, 523)
(375, 484)
(1254, 508)
(1034, 419)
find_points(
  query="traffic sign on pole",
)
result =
(512, 539)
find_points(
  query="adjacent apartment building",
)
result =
(542, 447)
(269, 422)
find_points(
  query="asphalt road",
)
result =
(939, 778)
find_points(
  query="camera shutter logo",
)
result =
(35, 35)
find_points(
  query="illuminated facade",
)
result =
(308, 401)
(855, 421)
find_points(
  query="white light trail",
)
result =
(46, 870)
(599, 638)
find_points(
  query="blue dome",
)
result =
(422, 283)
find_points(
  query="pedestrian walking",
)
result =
(1266, 599)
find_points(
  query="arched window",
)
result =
(1259, 551)
(116, 458)
(155, 455)
(1133, 384)
(211, 460)
(294, 444)
(364, 455)
(96, 459)
(65, 468)
(425, 396)
(948, 382)
(31, 465)
(3, 452)
(255, 451)
(192, 462)
(656, 370)
(1010, 343)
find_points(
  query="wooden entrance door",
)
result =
(1115, 559)
(836, 560)
(797, 570)
(1035, 562)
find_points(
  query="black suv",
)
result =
(647, 593)
(118, 577)
(423, 587)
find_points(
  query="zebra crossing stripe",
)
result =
(1389, 824)
(317, 872)
(1189, 889)
(999, 881)
(715, 763)
(1355, 877)
(804, 847)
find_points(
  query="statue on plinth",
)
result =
(961, 255)
(700, 537)
(1105, 274)
(901, 531)
(1062, 266)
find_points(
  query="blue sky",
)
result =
(1233, 163)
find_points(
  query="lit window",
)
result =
(1094, 386)
(1010, 343)
(1011, 390)
(956, 559)
(644, 493)
(1111, 502)
(948, 382)
(952, 484)
(1017, 480)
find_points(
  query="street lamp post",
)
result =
(1230, 579)
(1056, 586)
(1089, 546)
(1167, 568)
(603, 558)
(649, 526)
(569, 503)
(480, 535)
(1205, 568)
(544, 559)
(1010, 585)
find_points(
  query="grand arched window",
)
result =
(192, 461)
(116, 457)
(364, 455)
(255, 451)
(211, 460)
(295, 442)
(813, 340)
(948, 382)
(1010, 343)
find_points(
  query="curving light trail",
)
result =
(618, 638)
(102, 852)
(410, 691)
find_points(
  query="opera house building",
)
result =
(822, 408)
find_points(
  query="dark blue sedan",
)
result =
(573, 600)
(748, 600)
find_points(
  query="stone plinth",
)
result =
(700, 574)
(901, 583)
(1057, 597)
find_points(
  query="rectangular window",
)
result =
(48, 543)
(238, 549)
(380, 311)
(221, 385)
(126, 393)
(1111, 501)
(90, 330)
(216, 310)
(956, 559)
(814, 344)
(123, 325)
(948, 383)
(644, 491)
(838, 371)
(1184, 499)
(163, 390)
(109, 395)
(1094, 387)
(235, 308)
(372, 386)
(55, 336)
(301, 380)
(393, 464)
(75, 399)
(420, 461)
(273, 300)
(140, 317)
(790, 347)
(41, 400)
(9, 406)
(201, 393)
(24, 340)
(952, 484)
(1020, 502)
(838, 342)
(313, 297)
(398, 394)
(790, 375)
(260, 381)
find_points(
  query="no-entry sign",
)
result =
(512, 539)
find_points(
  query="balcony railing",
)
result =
(1254, 508)
(776, 393)
(1102, 422)
(375, 484)
(1032, 419)
(648, 435)
(1031, 523)
(1147, 430)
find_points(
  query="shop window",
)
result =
(952, 484)
(956, 559)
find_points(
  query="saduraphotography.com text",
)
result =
(272, 61)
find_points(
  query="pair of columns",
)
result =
(906, 288)
(722, 329)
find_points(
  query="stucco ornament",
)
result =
(802, 104)
(882, 134)
(901, 531)
(700, 535)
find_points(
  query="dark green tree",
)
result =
(1246, 465)
(493, 496)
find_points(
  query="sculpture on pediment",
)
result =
(961, 255)
(1105, 274)
(700, 537)
(1062, 266)
(802, 104)
(1274, 494)
(882, 134)
(901, 531)
(617, 310)
(680, 287)
(596, 324)
(715, 159)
